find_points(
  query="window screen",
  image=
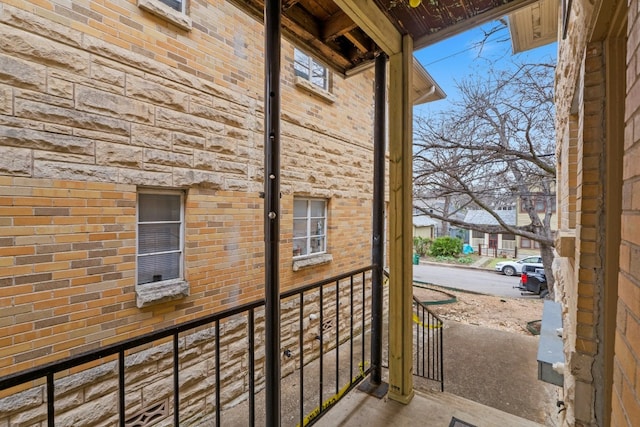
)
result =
(159, 237)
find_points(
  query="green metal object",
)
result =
(416, 259)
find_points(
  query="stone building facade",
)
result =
(598, 243)
(100, 104)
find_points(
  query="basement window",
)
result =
(160, 250)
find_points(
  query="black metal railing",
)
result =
(325, 330)
(428, 361)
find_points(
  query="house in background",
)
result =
(425, 226)
(492, 244)
(429, 227)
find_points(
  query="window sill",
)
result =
(154, 293)
(163, 11)
(311, 261)
(310, 87)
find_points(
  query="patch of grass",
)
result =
(467, 259)
(492, 263)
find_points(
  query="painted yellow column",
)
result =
(400, 224)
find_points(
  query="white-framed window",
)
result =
(309, 227)
(160, 237)
(177, 5)
(527, 243)
(309, 69)
(173, 11)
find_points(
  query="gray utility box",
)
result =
(550, 347)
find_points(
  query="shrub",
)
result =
(421, 245)
(446, 246)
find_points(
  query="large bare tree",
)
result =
(492, 148)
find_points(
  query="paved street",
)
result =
(468, 279)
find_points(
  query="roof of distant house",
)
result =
(424, 221)
(482, 217)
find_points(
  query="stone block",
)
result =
(30, 417)
(217, 115)
(156, 93)
(74, 172)
(191, 141)
(21, 401)
(121, 107)
(40, 49)
(89, 414)
(188, 123)
(189, 177)
(60, 87)
(64, 116)
(6, 100)
(167, 158)
(108, 75)
(584, 402)
(15, 161)
(111, 154)
(32, 23)
(22, 74)
(142, 177)
(149, 136)
(69, 401)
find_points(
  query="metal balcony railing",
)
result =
(428, 351)
(215, 362)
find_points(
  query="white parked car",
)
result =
(510, 268)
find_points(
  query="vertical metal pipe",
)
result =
(321, 375)
(218, 376)
(351, 298)
(337, 329)
(51, 409)
(377, 248)
(176, 380)
(121, 384)
(364, 323)
(252, 368)
(272, 22)
(440, 350)
(301, 353)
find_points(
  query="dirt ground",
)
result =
(507, 314)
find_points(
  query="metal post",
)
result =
(272, 22)
(374, 384)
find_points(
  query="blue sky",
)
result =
(455, 58)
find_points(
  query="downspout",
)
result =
(272, 29)
(373, 385)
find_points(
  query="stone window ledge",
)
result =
(566, 243)
(163, 11)
(314, 89)
(311, 261)
(154, 293)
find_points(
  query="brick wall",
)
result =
(585, 65)
(626, 393)
(98, 102)
(580, 82)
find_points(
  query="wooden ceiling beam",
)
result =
(367, 15)
(301, 18)
(288, 4)
(338, 25)
(359, 41)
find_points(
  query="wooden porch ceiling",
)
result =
(331, 34)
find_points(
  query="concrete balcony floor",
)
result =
(427, 408)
